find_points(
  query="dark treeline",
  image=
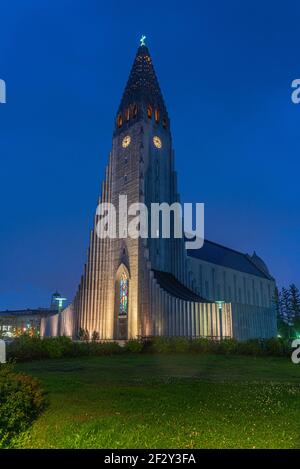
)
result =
(287, 304)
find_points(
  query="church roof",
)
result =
(175, 288)
(142, 84)
(227, 257)
(27, 312)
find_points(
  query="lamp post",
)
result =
(220, 304)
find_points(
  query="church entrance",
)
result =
(121, 309)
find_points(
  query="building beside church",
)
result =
(148, 287)
(20, 321)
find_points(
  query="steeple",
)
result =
(142, 95)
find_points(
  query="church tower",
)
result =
(113, 298)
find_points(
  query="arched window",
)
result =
(123, 309)
(119, 120)
(127, 113)
(134, 110)
(149, 111)
(164, 123)
(157, 115)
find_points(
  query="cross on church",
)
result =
(142, 40)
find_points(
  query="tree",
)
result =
(295, 306)
(286, 306)
(277, 305)
(281, 325)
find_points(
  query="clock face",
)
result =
(157, 142)
(126, 141)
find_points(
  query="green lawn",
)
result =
(167, 401)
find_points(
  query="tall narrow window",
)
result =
(123, 310)
(119, 120)
(134, 110)
(149, 111)
(156, 115)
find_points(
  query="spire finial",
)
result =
(142, 40)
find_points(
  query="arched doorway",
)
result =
(121, 303)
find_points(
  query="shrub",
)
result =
(227, 347)
(277, 347)
(250, 347)
(134, 346)
(104, 348)
(159, 345)
(21, 401)
(26, 348)
(30, 348)
(201, 345)
(57, 347)
(180, 344)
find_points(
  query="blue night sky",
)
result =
(225, 69)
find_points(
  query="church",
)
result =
(139, 288)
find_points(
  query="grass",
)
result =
(167, 401)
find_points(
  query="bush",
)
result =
(202, 345)
(250, 347)
(103, 348)
(277, 347)
(180, 344)
(159, 345)
(255, 347)
(227, 346)
(26, 348)
(21, 401)
(134, 346)
(31, 348)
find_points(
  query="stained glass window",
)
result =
(123, 295)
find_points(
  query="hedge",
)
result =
(26, 348)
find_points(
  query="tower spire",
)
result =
(142, 89)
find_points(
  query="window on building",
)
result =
(219, 292)
(249, 297)
(157, 115)
(213, 282)
(206, 289)
(119, 120)
(235, 288)
(134, 110)
(149, 111)
(123, 310)
(224, 285)
(200, 278)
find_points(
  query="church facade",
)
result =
(145, 287)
